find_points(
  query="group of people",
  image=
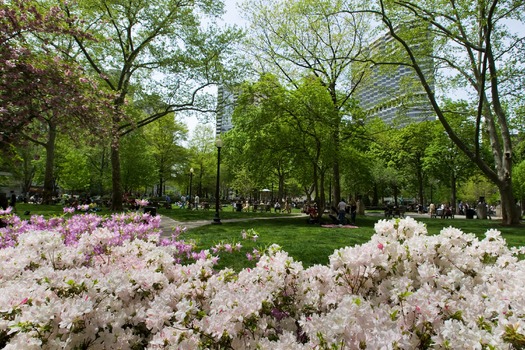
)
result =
(342, 214)
(444, 211)
(185, 202)
(245, 206)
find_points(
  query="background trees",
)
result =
(473, 41)
(299, 128)
(309, 39)
(43, 92)
(165, 137)
(160, 46)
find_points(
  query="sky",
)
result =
(232, 15)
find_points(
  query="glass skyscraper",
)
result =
(392, 92)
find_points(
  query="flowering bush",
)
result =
(403, 289)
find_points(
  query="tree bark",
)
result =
(116, 199)
(29, 174)
(47, 195)
(280, 195)
(509, 210)
(322, 197)
(453, 190)
(395, 195)
(375, 196)
(420, 187)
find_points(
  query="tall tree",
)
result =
(388, 174)
(287, 129)
(33, 78)
(262, 141)
(165, 137)
(41, 87)
(443, 160)
(138, 172)
(203, 158)
(472, 42)
(72, 167)
(300, 38)
(410, 144)
(161, 46)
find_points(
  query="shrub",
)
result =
(403, 289)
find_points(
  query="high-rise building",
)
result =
(394, 93)
(226, 100)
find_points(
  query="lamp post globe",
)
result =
(189, 198)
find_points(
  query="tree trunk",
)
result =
(337, 175)
(395, 195)
(281, 188)
(453, 190)
(322, 196)
(161, 186)
(420, 186)
(47, 195)
(101, 172)
(509, 210)
(375, 196)
(316, 184)
(28, 175)
(116, 199)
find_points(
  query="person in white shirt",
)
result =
(341, 207)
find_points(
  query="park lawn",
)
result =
(310, 244)
(313, 244)
(25, 210)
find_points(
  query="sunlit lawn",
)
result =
(310, 244)
(313, 244)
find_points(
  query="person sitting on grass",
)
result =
(333, 215)
(277, 207)
(313, 214)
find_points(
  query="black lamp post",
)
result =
(217, 219)
(191, 178)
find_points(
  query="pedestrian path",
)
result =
(168, 225)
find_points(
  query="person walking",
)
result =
(353, 211)
(432, 210)
(341, 207)
(12, 203)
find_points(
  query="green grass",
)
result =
(38, 209)
(310, 244)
